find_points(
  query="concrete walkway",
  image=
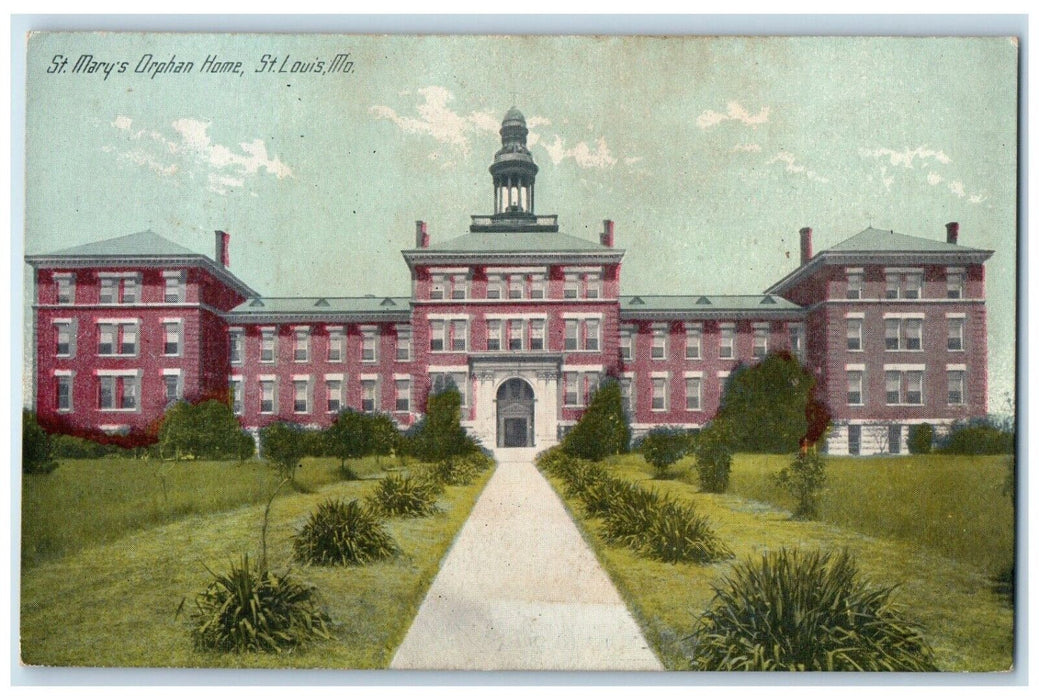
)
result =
(520, 589)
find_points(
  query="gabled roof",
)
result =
(143, 247)
(325, 308)
(709, 305)
(882, 246)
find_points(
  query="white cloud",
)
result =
(956, 187)
(191, 151)
(933, 178)
(437, 120)
(907, 156)
(583, 154)
(789, 161)
(734, 112)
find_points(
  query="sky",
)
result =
(708, 153)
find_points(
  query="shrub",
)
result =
(440, 435)
(978, 437)
(459, 471)
(629, 519)
(804, 479)
(582, 474)
(208, 430)
(713, 459)
(805, 612)
(74, 447)
(37, 447)
(284, 445)
(662, 447)
(354, 434)
(603, 428)
(248, 609)
(554, 461)
(677, 533)
(921, 438)
(404, 496)
(339, 533)
(600, 497)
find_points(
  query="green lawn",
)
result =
(970, 628)
(115, 603)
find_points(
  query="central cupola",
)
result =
(513, 172)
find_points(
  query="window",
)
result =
(571, 283)
(437, 287)
(855, 334)
(459, 335)
(578, 387)
(63, 388)
(494, 334)
(301, 345)
(237, 338)
(855, 281)
(570, 334)
(903, 333)
(437, 335)
(659, 394)
(66, 288)
(268, 344)
(441, 381)
(300, 392)
(537, 286)
(537, 334)
(171, 384)
(171, 338)
(336, 344)
(592, 286)
(693, 387)
(760, 340)
(118, 290)
(130, 290)
(494, 285)
(956, 382)
(403, 397)
(693, 341)
(570, 388)
(954, 283)
(333, 395)
(955, 341)
(627, 351)
(237, 396)
(267, 396)
(174, 292)
(459, 286)
(855, 387)
(904, 387)
(516, 334)
(516, 284)
(727, 347)
(369, 338)
(591, 334)
(64, 339)
(403, 344)
(369, 395)
(659, 347)
(118, 393)
(903, 284)
(591, 385)
(117, 339)
(109, 293)
(627, 385)
(797, 340)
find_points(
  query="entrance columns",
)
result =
(546, 392)
(486, 414)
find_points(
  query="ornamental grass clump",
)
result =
(405, 496)
(581, 476)
(794, 611)
(630, 518)
(341, 534)
(677, 533)
(252, 610)
(600, 497)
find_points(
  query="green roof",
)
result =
(140, 244)
(875, 240)
(517, 242)
(706, 303)
(265, 306)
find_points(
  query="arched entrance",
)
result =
(515, 414)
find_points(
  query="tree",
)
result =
(771, 406)
(804, 479)
(662, 447)
(346, 438)
(284, 445)
(37, 447)
(208, 430)
(714, 457)
(440, 434)
(920, 438)
(603, 428)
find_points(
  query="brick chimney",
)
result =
(806, 245)
(952, 232)
(606, 237)
(421, 235)
(222, 255)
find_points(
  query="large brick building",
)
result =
(523, 319)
